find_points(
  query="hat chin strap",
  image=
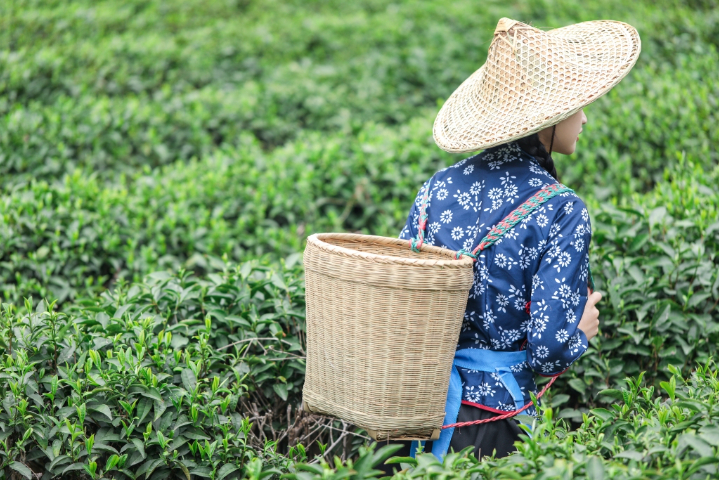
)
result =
(551, 144)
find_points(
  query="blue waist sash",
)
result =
(484, 361)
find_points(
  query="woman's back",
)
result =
(530, 287)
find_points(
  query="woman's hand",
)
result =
(589, 323)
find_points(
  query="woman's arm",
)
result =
(559, 291)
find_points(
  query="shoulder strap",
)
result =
(516, 216)
(498, 231)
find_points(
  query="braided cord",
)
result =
(416, 242)
(517, 215)
(500, 417)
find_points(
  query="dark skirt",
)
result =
(498, 436)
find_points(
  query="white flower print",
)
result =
(504, 261)
(562, 336)
(502, 302)
(508, 179)
(481, 275)
(518, 294)
(494, 193)
(575, 298)
(584, 270)
(480, 343)
(541, 351)
(468, 243)
(435, 226)
(526, 325)
(446, 216)
(476, 188)
(497, 380)
(472, 394)
(535, 182)
(537, 283)
(495, 205)
(540, 318)
(525, 221)
(554, 230)
(457, 233)
(463, 199)
(509, 336)
(506, 407)
(468, 170)
(568, 207)
(488, 318)
(500, 260)
(563, 261)
(486, 389)
(575, 343)
(585, 214)
(511, 235)
(547, 367)
(578, 244)
(442, 194)
(579, 231)
(519, 367)
(542, 220)
(524, 261)
(553, 252)
(495, 165)
(571, 317)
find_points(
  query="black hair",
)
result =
(535, 148)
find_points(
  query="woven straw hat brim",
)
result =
(534, 79)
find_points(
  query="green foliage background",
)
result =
(154, 136)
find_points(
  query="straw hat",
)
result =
(534, 79)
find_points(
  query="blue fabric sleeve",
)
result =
(559, 291)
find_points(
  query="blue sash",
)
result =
(484, 361)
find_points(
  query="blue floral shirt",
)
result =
(530, 288)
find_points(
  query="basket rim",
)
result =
(318, 240)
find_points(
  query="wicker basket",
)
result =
(382, 328)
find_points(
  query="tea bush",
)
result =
(89, 84)
(643, 436)
(154, 380)
(126, 148)
(656, 262)
(174, 137)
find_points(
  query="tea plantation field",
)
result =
(163, 161)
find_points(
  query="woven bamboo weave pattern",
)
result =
(382, 327)
(534, 79)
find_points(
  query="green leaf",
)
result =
(73, 467)
(201, 472)
(185, 470)
(143, 408)
(140, 446)
(148, 467)
(104, 409)
(22, 470)
(595, 469)
(578, 385)
(631, 454)
(281, 390)
(225, 470)
(189, 380)
(409, 460)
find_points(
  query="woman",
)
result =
(531, 310)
